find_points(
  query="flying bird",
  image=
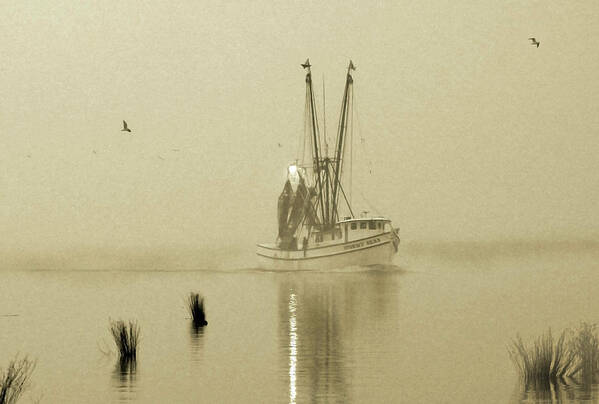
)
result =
(125, 128)
(533, 41)
(280, 145)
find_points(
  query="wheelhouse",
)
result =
(351, 229)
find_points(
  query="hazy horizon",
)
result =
(470, 133)
(242, 256)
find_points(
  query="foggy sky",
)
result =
(470, 132)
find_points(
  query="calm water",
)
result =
(432, 330)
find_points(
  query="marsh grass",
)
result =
(126, 337)
(545, 361)
(585, 346)
(195, 304)
(15, 380)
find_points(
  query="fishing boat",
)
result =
(317, 227)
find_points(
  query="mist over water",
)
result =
(242, 256)
(132, 259)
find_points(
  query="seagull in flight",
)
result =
(533, 41)
(125, 128)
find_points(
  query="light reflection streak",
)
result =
(292, 349)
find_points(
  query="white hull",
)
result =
(374, 250)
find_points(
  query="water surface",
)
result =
(433, 329)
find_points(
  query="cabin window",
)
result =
(372, 225)
(319, 238)
(379, 225)
(354, 226)
(363, 225)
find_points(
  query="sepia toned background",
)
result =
(469, 133)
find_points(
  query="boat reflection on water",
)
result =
(124, 379)
(315, 351)
(320, 320)
(292, 348)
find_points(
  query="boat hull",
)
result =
(374, 250)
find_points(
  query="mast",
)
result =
(328, 170)
(325, 162)
(340, 143)
(315, 138)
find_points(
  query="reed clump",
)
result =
(585, 346)
(195, 304)
(15, 379)
(126, 338)
(543, 361)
